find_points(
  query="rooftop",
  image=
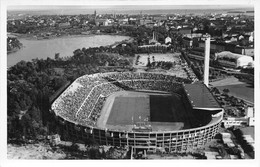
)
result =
(200, 96)
(249, 131)
(230, 55)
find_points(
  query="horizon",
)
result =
(127, 7)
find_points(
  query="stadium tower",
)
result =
(206, 61)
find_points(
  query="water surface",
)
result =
(42, 49)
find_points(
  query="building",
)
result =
(156, 47)
(198, 54)
(249, 135)
(251, 121)
(248, 119)
(145, 21)
(123, 21)
(187, 42)
(230, 47)
(168, 40)
(185, 30)
(154, 40)
(220, 46)
(226, 138)
(194, 35)
(214, 45)
(250, 112)
(232, 60)
(251, 38)
(211, 154)
(65, 25)
(159, 18)
(54, 139)
(103, 22)
(249, 51)
(249, 140)
(234, 121)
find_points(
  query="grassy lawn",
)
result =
(243, 91)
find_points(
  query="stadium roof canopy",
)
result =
(200, 97)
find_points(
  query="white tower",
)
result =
(206, 61)
(154, 36)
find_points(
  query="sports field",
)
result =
(127, 109)
(166, 109)
(243, 91)
(237, 88)
(143, 60)
(176, 70)
(162, 111)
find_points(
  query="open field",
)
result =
(143, 60)
(242, 91)
(164, 112)
(176, 70)
(237, 88)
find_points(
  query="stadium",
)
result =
(141, 110)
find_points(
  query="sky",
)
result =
(126, 7)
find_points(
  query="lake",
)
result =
(42, 49)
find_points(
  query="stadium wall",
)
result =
(171, 141)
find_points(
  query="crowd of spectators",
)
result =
(83, 100)
(190, 74)
(91, 102)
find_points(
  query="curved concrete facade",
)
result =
(171, 141)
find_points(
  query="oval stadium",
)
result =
(141, 110)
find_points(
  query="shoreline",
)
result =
(33, 38)
(14, 50)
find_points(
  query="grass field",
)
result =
(243, 91)
(166, 109)
(163, 111)
(126, 108)
(237, 88)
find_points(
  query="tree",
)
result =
(226, 91)
(94, 153)
(57, 56)
(148, 62)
